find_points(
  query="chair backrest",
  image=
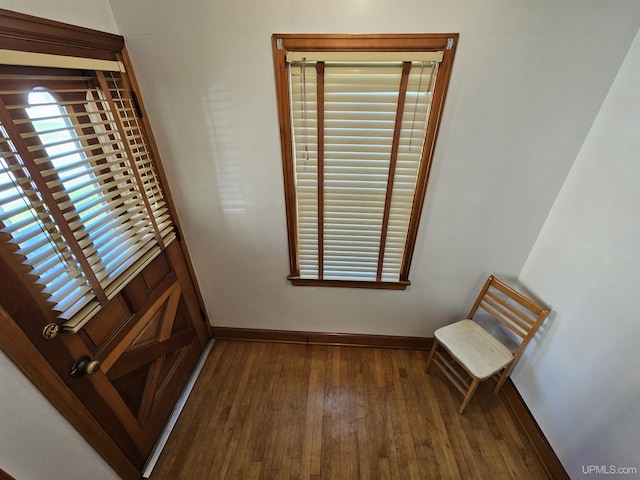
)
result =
(519, 314)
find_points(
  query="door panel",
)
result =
(147, 343)
(147, 340)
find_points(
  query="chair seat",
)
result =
(473, 347)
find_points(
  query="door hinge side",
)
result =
(136, 104)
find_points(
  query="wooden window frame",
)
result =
(281, 43)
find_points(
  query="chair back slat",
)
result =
(527, 316)
(517, 296)
(517, 313)
(504, 317)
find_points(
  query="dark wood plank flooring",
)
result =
(284, 411)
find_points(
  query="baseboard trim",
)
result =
(523, 415)
(5, 476)
(317, 338)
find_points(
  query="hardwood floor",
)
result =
(284, 411)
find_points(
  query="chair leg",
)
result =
(432, 354)
(470, 392)
(503, 377)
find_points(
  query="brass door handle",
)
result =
(84, 366)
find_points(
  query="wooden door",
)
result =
(147, 339)
(149, 335)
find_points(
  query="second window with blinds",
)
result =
(359, 115)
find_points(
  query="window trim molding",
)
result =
(20, 31)
(281, 44)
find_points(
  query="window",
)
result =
(359, 116)
(80, 202)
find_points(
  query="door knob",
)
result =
(84, 366)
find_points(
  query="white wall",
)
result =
(36, 442)
(581, 382)
(94, 14)
(527, 82)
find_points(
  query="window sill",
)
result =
(306, 282)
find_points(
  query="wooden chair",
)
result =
(473, 353)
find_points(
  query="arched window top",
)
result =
(39, 96)
(42, 104)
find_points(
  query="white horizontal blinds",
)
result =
(27, 221)
(361, 102)
(415, 119)
(24, 140)
(304, 114)
(92, 177)
(131, 127)
(360, 107)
